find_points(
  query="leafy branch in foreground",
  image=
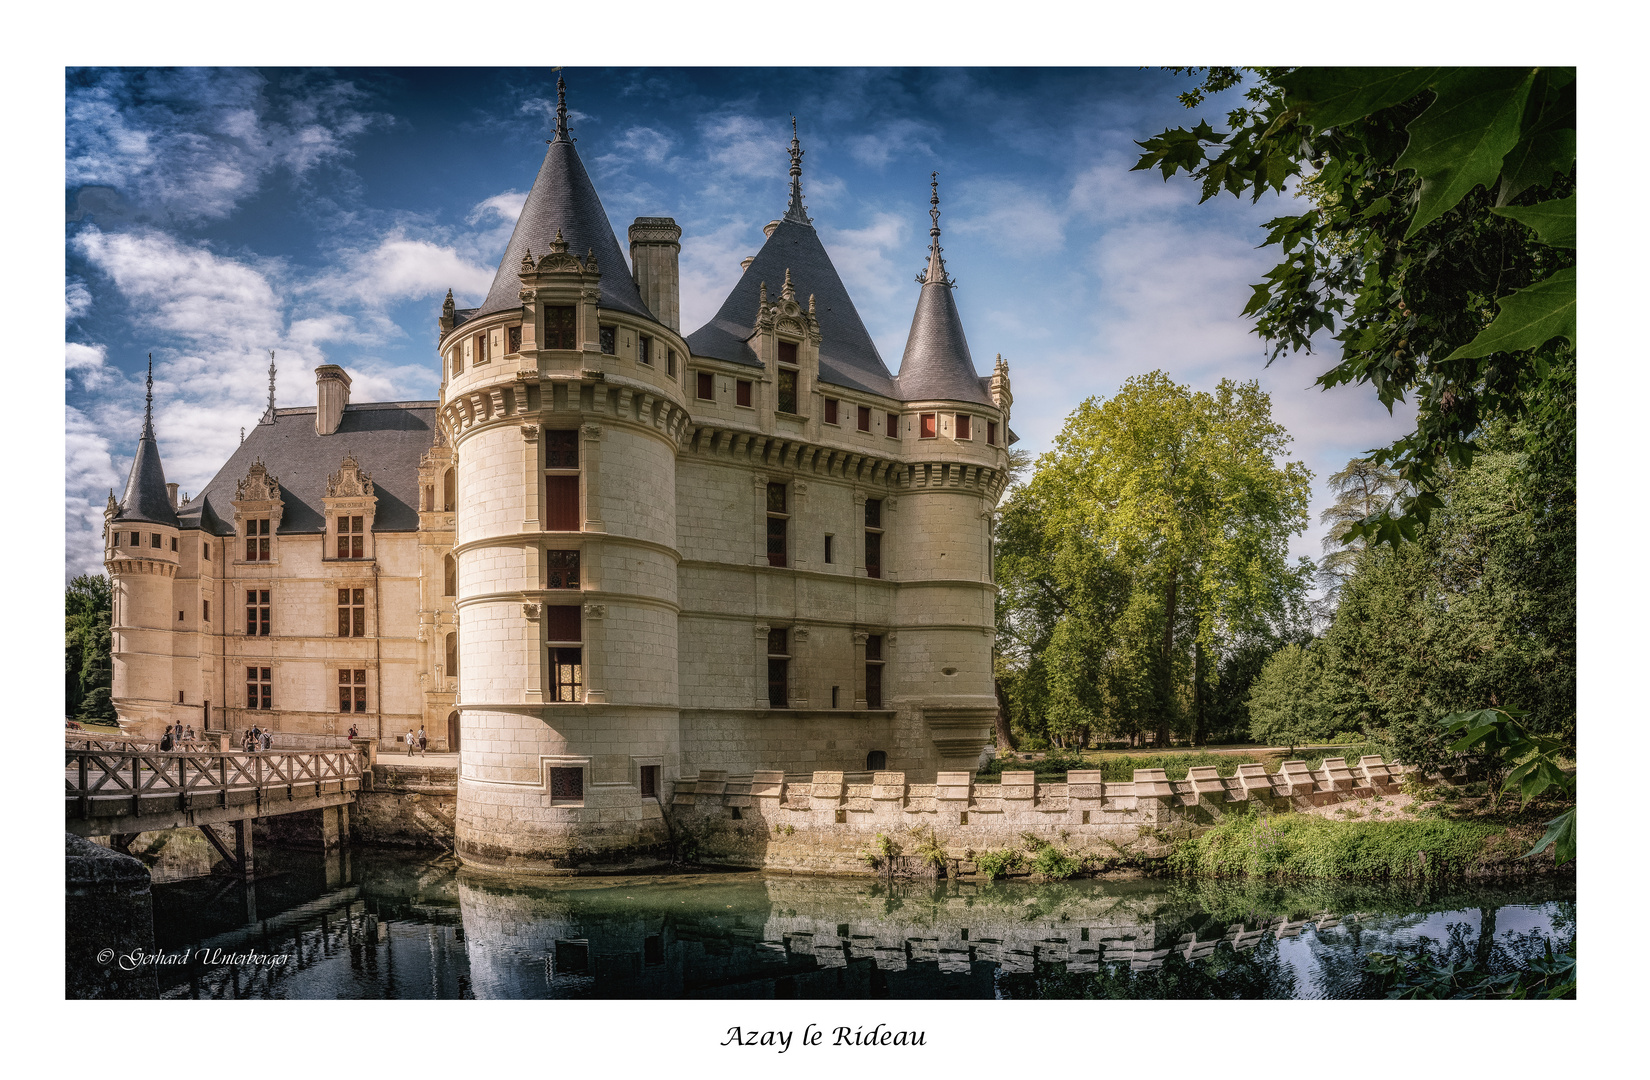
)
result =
(1535, 767)
(1439, 249)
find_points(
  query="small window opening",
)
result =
(842, 817)
(787, 352)
(892, 425)
(864, 418)
(560, 328)
(876, 760)
(834, 692)
(707, 384)
(742, 393)
(609, 340)
(154, 540)
(991, 432)
(650, 781)
(929, 429)
(670, 362)
(562, 569)
(566, 784)
(735, 810)
(174, 543)
(965, 427)
(828, 539)
(830, 410)
(180, 616)
(644, 350)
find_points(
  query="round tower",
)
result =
(141, 537)
(563, 398)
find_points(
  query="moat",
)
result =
(385, 923)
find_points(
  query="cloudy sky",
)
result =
(213, 215)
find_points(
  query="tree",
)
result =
(1439, 249)
(1167, 514)
(86, 665)
(1362, 490)
(1286, 703)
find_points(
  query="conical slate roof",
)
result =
(146, 498)
(937, 364)
(564, 199)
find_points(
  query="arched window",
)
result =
(452, 654)
(429, 496)
(452, 576)
(449, 493)
(876, 759)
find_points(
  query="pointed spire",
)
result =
(269, 414)
(788, 291)
(935, 270)
(149, 401)
(561, 111)
(796, 211)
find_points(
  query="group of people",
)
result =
(255, 740)
(417, 742)
(177, 737)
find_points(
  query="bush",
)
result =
(1052, 862)
(1305, 846)
(1001, 863)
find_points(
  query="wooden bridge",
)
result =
(118, 788)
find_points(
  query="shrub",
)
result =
(1305, 846)
(1000, 863)
(1052, 862)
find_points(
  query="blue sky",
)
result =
(212, 215)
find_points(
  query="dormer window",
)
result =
(351, 537)
(787, 391)
(787, 352)
(560, 328)
(257, 540)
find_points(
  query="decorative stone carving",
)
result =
(259, 485)
(595, 611)
(530, 612)
(592, 431)
(349, 482)
(530, 432)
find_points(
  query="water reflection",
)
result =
(373, 923)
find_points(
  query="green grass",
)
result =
(1304, 846)
(1116, 767)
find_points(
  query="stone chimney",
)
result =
(172, 494)
(331, 395)
(655, 243)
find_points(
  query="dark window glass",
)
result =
(742, 393)
(562, 623)
(609, 340)
(873, 686)
(568, 675)
(561, 496)
(876, 759)
(653, 946)
(458, 359)
(873, 513)
(706, 386)
(206, 611)
(154, 540)
(873, 647)
(776, 541)
(644, 349)
(864, 418)
(776, 642)
(452, 655)
(991, 432)
(828, 539)
(650, 784)
(787, 391)
(514, 336)
(965, 427)
(787, 352)
(352, 690)
(563, 569)
(352, 613)
(776, 498)
(778, 682)
(136, 542)
(873, 554)
(174, 543)
(572, 957)
(566, 783)
(559, 328)
(257, 613)
(928, 429)
(830, 410)
(561, 449)
(670, 362)
(258, 688)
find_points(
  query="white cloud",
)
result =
(90, 363)
(402, 267)
(1009, 216)
(901, 139)
(871, 259)
(505, 206)
(77, 299)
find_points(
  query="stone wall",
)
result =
(109, 914)
(826, 823)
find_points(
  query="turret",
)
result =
(655, 244)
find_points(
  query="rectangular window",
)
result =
(154, 540)
(778, 669)
(561, 496)
(742, 393)
(567, 678)
(562, 569)
(206, 551)
(644, 349)
(787, 352)
(670, 362)
(864, 418)
(828, 539)
(174, 543)
(892, 428)
(514, 336)
(257, 613)
(458, 358)
(562, 623)
(928, 429)
(352, 613)
(135, 541)
(180, 615)
(873, 647)
(991, 432)
(777, 525)
(257, 540)
(787, 391)
(351, 537)
(481, 348)
(873, 513)
(206, 611)
(650, 781)
(873, 686)
(707, 386)
(352, 690)
(873, 554)
(610, 340)
(560, 328)
(566, 784)
(830, 410)
(965, 426)
(561, 449)
(258, 688)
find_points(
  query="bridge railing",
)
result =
(116, 782)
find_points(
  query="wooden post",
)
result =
(85, 784)
(137, 772)
(223, 779)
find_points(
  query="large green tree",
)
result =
(1286, 701)
(86, 665)
(1437, 247)
(1152, 538)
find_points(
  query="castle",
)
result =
(609, 555)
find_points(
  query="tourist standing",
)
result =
(410, 742)
(352, 731)
(268, 741)
(423, 742)
(189, 734)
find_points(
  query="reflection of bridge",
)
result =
(119, 789)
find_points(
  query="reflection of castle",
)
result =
(610, 554)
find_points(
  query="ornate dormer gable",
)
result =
(560, 279)
(259, 486)
(437, 486)
(349, 481)
(258, 508)
(786, 317)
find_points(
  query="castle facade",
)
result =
(610, 555)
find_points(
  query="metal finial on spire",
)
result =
(269, 415)
(935, 270)
(561, 111)
(796, 211)
(149, 400)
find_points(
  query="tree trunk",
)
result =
(1005, 736)
(1167, 701)
(1200, 733)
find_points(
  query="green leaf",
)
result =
(1330, 97)
(1554, 221)
(1528, 319)
(1560, 835)
(1548, 143)
(1459, 142)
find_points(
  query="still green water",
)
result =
(378, 923)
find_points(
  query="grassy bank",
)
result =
(1292, 846)
(1120, 767)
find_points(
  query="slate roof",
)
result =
(564, 198)
(847, 355)
(937, 364)
(387, 439)
(145, 498)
